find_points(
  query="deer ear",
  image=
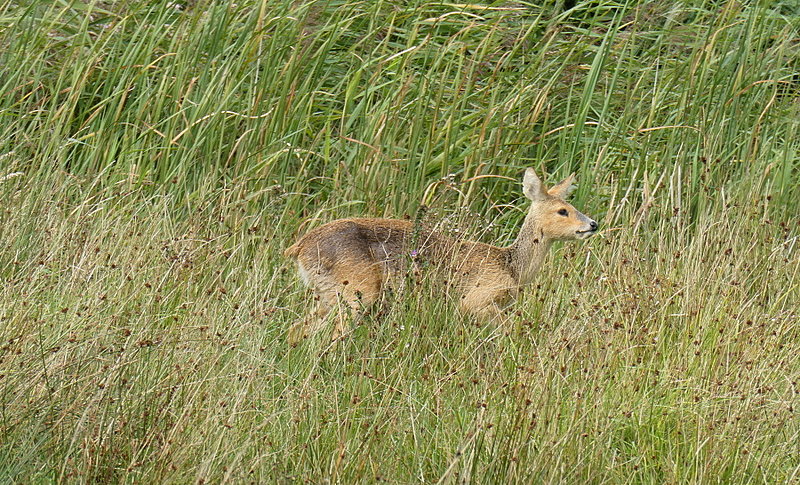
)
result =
(563, 188)
(532, 186)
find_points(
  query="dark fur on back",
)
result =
(381, 240)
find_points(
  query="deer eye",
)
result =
(563, 212)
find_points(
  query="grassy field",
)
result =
(157, 157)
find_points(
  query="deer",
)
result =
(347, 263)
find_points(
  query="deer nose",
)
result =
(593, 225)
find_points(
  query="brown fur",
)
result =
(351, 260)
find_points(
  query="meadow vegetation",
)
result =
(157, 157)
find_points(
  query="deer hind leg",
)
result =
(361, 285)
(324, 301)
(346, 290)
(325, 289)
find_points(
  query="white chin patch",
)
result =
(584, 234)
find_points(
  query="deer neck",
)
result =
(528, 250)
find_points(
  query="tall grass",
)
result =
(157, 157)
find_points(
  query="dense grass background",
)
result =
(156, 158)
